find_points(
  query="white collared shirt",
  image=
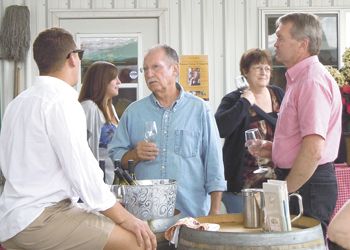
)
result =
(45, 157)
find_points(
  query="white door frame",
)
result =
(55, 15)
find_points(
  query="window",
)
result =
(123, 50)
(329, 54)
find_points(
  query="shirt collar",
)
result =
(175, 104)
(293, 72)
(54, 81)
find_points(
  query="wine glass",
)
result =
(241, 83)
(150, 131)
(253, 138)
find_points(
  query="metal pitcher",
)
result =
(253, 207)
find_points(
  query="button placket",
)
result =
(165, 126)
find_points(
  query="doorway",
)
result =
(147, 26)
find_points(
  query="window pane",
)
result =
(277, 77)
(124, 99)
(128, 73)
(329, 48)
(121, 51)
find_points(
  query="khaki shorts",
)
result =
(64, 226)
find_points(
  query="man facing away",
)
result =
(187, 147)
(48, 164)
(308, 129)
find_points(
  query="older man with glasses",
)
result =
(187, 145)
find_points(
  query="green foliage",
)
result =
(345, 71)
(346, 57)
(338, 77)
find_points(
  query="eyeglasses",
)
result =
(261, 68)
(155, 68)
(79, 51)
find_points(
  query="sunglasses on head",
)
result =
(79, 51)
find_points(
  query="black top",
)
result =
(232, 118)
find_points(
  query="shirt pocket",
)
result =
(186, 143)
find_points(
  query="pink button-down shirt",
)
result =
(311, 105)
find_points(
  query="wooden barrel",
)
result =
(162, 243)
(306, 234)
(159, 226)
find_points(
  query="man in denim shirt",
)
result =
(187, 145)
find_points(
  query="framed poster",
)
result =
(124, 51)
(194, 75)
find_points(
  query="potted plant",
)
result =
(342, 77)
(345, 71)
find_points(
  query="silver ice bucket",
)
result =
(150, 199)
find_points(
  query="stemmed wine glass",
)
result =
(253, 138)
(241, 83)
(150, 131)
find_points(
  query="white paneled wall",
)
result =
(222, 29)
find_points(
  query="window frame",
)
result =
(265, 13)
(128, 91)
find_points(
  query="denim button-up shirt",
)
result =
(189, 148)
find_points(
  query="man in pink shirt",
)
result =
(308, 129)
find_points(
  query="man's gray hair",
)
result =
(305, 25)
(169, 51)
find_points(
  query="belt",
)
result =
(331, 163)
(283, 172)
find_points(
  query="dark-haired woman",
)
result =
(254, 107)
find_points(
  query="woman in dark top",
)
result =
(254, 107)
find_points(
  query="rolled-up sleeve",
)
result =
(212, 155)
(120, 143)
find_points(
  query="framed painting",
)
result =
(124, 51)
